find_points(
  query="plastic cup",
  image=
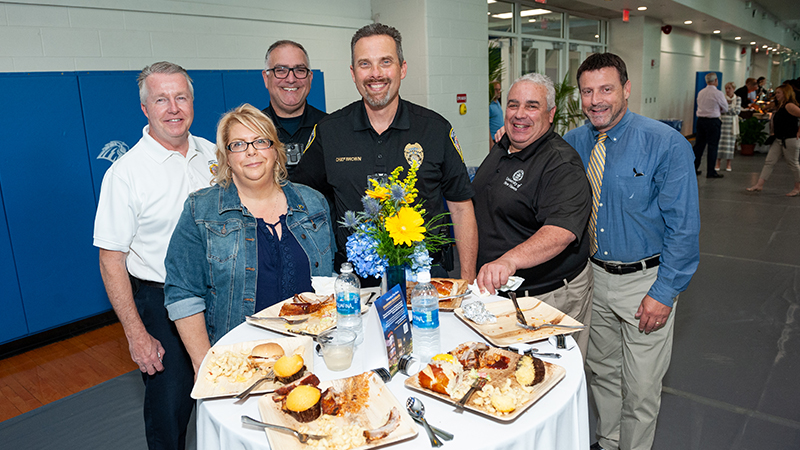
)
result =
(337, 348)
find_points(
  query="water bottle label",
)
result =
(427, 320)
(348, 303)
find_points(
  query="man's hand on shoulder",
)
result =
(495, 274)
(652, 314)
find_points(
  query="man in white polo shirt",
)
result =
(141, 199)
(711, 104)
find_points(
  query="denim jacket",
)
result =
(212, 258)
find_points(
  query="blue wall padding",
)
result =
(57, 126)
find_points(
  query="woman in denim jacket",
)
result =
(250, 241)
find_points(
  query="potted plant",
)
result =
(568, 110)
(751, 133)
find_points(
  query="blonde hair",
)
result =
(788, 95)
(731, 84)
(254, 120)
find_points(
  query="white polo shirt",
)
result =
(142, 197)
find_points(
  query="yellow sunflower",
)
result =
(379, 192)
(406, 227)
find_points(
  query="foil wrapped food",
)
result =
(476, 311)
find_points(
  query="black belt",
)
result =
(626, 268)
(151, 284)
(547, 287)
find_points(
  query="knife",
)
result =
(520, 317)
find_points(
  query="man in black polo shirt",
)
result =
(533, 200)
(288, 79)
(371, 137)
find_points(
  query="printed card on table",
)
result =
(396, 327)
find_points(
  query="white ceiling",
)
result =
(784, 13)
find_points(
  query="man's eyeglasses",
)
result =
(283, 71)
(258, 144)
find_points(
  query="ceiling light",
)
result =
(534, 12)
(753, 43)
(687, 22)
(737, 38)
(597, 36)
(531, 20)
(764, 46)
(491, 1)
(642, 8)
(716, 31)
(503, 15)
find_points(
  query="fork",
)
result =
(246, 393)
(551, 325)
(289, 321)
(477, 384)
(302, 437)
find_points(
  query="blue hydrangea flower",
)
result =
(420, 259)
(361, 252)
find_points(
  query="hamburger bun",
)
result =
(270, 350)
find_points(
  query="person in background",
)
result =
(251, 241)
(711, 104)
(495, 112)
(744, 92)
(139, 205)
(288, 78)
(644, 250)
(730, 127)
(761, 91)
(532, 202)
(786, 139)
(369, 138)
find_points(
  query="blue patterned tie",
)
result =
(597, 163)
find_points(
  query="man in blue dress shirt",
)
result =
(646, 232)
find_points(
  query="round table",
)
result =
(559, 420)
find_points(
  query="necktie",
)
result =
(597, 162)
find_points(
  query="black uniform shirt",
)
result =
(518, 193)
(295, 142)
(345, 151)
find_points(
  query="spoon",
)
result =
(417, 411)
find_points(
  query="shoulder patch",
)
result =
(454, 140)
(311, 138)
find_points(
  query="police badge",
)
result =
(414, 154)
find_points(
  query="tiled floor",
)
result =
(734, 381)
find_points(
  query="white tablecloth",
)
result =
(559, 420)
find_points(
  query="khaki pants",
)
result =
(575, 300)
(790, 152)
(626, 365)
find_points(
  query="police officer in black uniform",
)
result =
(288, 79)
(371, 137)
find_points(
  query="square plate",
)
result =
(505, 331)
(205, 388)
(553, 375)
(380, 403)
(316, 323)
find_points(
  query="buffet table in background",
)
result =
(559, 420)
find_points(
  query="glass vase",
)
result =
(394, 275)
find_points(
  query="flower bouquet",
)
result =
(391, 230)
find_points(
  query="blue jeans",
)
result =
(167, 395)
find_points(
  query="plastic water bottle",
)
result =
(425, 317)
(348, 301)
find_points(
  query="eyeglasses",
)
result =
(258, 144)
(283, 71)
